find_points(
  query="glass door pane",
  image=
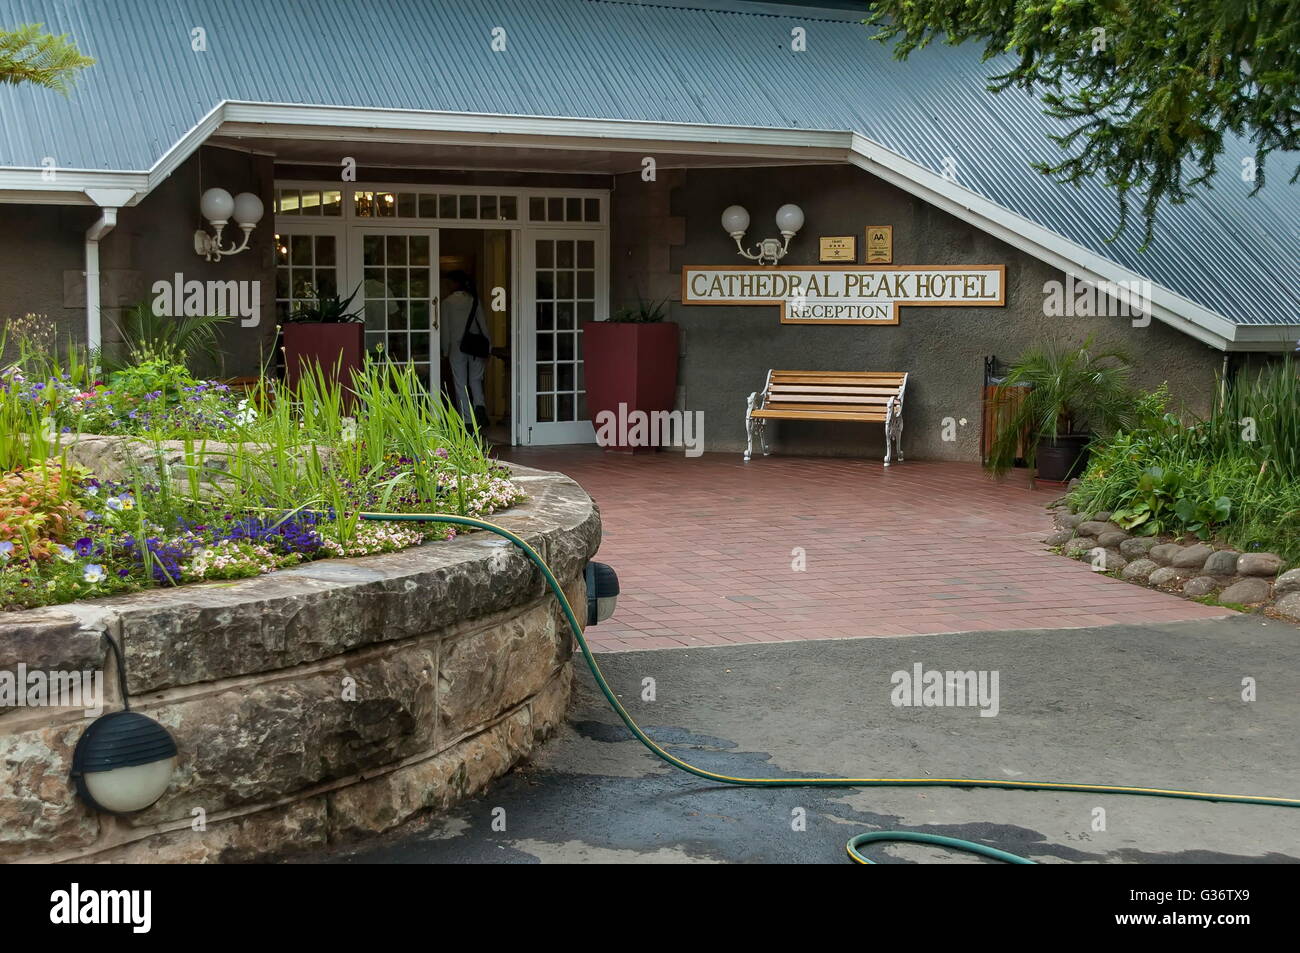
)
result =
(399, 292)
(565, 296)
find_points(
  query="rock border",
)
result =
(1197, 570)
(312, 704)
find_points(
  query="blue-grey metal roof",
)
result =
(723, 62)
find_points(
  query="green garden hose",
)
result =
(951, 843)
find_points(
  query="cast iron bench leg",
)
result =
(749, 426)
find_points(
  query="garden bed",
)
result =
(1206, 507)
(260, 483)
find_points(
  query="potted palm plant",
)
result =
(1067, 396)
(325, 332)
(631, 363)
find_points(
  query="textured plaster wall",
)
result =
(726, 351)
(42, 251)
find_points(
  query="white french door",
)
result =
(397, 269)
(564, 286)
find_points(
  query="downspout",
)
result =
(94, 330)
(109, 201)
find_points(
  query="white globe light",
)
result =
(216, 205)
(735, 219)
(127, 790)
(789, 218)
(248, 208)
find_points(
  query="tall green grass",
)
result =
(317, 446)
(320, 446)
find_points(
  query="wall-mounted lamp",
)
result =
(789, 219)
(602, 592)
(123, 761)
(218, 207)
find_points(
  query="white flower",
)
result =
(244, 414)
(94, 573)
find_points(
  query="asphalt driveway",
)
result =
(1153, 704)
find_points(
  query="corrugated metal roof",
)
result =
(711, 62)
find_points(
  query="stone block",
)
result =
(1287, 583)
(1137, 546)
(1247, 592)
(1164, 553)
(1258, 564)
(1168, 577)
(1139, 570)
(1191, 557)
(39, 812)
(265, 741)
(484, 673)
(249, 837)
(1222, 562)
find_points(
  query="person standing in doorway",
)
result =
(466, 345)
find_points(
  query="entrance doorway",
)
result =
(538, 259)
(484, 255)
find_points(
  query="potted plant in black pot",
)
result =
(631, 360)
(1069, 396)
(328, 333)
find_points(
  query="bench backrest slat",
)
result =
(832, 389)
(829, 399)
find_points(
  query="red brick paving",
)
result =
(704, 550)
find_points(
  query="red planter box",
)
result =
(630, 364)
(339, 349)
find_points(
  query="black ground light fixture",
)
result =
(124, 760)
(602, 592)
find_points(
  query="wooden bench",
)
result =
(858, 396)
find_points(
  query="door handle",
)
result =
(433, 312)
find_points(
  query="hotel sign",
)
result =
(848, 294)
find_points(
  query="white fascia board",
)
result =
(27, 187)
(1043, 243)
(1267, 337)
(557, 132)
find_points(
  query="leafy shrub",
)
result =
(1233, 475)
(39, 508)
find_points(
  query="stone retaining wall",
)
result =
(1193, 568)
(317, 703)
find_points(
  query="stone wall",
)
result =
(1198, 570)
(457, 657)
